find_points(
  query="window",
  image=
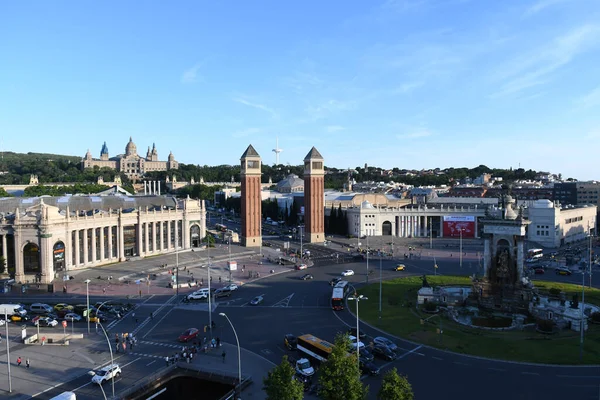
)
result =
(317, 165)
(253, 164)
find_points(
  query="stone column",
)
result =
(102, 248)
(18, 254)
(85, 247)
(161, 238)
(138, 234)
(441, 226)
(4, 250)
(520, 258)
(476, 229)
(487, 259)
(146, 237)
(121, 242)
(426, 232)
(77, 247)
(154, 241)
(169, 224)
(176, 233)
(110, 242)
(419, 226)
(94, 248)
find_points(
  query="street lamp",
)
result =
(358, 298)
(209, 292)
(112, 361)
(380, 283)
(8, 350)
(239, 354)
(301, 249)
(367, 258)
(87, 295)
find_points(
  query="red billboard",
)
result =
(454, 225)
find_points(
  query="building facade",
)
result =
(314, 196)
(130, 163)
(44, 238)
(251, 201)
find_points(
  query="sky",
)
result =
(412, 84)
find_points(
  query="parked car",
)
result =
(40, 308)
(188, 334)
(352, 332)
(72, 317)
(198, 295)
(354, 342)
(334, 281)
(385, 342)
(304, 368)
(400, 267)
(290, 342)
(63, 306)
(384, 352)
(563, 271)
(257, 300)
(539, 271)
(44, 321)
(366, 353)
(106, 374)
(223, 292)
(231, 286)
(368, 367)
(348, 272)
(307, 277)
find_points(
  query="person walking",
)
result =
(18, 361)
(27, 363)
(218, 342)
(223, 355)
(167, 360)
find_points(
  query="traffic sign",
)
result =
(64, 324)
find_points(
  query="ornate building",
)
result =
(44, 238)
(130, 163)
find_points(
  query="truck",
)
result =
(12, 309)
(235, 237)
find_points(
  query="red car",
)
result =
(539, 271)
(188, 335)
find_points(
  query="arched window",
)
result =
(31, 259)
(386, 228)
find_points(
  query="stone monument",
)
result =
(504, 286)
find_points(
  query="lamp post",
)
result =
(357, 298)
(367, 258)
(582, 315)
(8, 351)
(209, 292)
(301, 228)
(239, 355)
(430, 234)
(87, 295)
(380, 283)
(112, 361)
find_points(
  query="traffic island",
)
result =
(51, 339)
(402, 316)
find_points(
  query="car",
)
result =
(231, 286)
(72, 317)
(44, 321)
(307, 277)
(384, 352)
(366, 354)
(198, 296)
(539, 271)
(301, 266)
(385, 342)
(290, 342)
(188, 334)
(257, 300)
(18, 318)
(361, 334)
(223, 292)
(353, 342)
(2, 322)
(334, 281)
(106, 374)
(368, 367)
(348, 272)
(304, 368)
(563, 271)
(400, 267)
(63, 306)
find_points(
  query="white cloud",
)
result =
(415, 135)
(246, 132)
(592, 99)
(407, 87)
(536, 67)
(258, 106)
(542, 5)
(191, 75)
(334, 128)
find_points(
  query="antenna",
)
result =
(277, 150)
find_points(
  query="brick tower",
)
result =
(251, 198)
(314, 205)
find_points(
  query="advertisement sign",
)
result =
(59, 251)
(302, 210)
(453, 225)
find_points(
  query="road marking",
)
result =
(577, 376)
(150, 363)
(409, 352)
(459, 363)
(85, 357)
(158, 323)
(530, 373)
(437, 358)
(285, 302)
(497, 369)
(174, 346)
(148, 299)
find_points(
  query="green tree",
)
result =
(280, 383)
(395, 387)
(4, 193)
(339, 376)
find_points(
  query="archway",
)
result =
(386, 228)
(195, 238)
(58, 256)
(31, 260)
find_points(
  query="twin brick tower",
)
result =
(314, 203)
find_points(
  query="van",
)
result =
(12, 309)
(40, 308)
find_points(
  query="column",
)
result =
(419, 226)
(94, 245)
(77, 247)
(18, 255)
(146, 236)
(486, 255)
(169, 224)
(4, 252)
(121, 242)
(138, 234)
(110, 242)
(441, 226)
(102, 248)
(161, 239)
(520, 258)
(176, 233)
(426, 233)
(476, 229)
(85, 247)
(154, 241)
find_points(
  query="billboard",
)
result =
(453, 225)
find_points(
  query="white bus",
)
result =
(534, 255)
(340, 290)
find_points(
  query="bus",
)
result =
(340, 290)
(314, 347)
(221, 227)
(534, 255)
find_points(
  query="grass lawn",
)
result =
(401, 318)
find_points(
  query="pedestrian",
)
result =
(218, 342)
(213, 343)
(136, 320)
(223, 355)
(27, 363)
(151, 315)
(167, 360)
(18, 361)
(191, 357)
(104, 290)
(133, 315)
(219, 279)
(185, 356)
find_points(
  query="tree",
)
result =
(280, 383)
(395, 387)
(339, 377)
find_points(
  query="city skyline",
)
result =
(412, 84)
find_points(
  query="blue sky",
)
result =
(400, 83)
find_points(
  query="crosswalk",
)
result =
(171, 345)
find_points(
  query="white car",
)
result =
(353, 342)
(106, 374)
(231, 286)
(198, 296)
(304, 368)
(72, 317)
(348, 272)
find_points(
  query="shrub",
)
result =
(430, 306)
(554, 291)
(545, 325)
(596, 317)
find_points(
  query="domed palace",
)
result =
(130, 163)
